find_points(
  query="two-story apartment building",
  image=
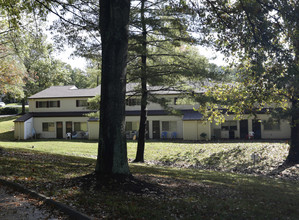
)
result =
(59, 111)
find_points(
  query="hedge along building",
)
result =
(60, 110)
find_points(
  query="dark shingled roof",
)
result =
(51, 114)
(66, 92)
(191, 115)
(149, 112)
(132, 89)
(188, 115)
(24, 118)
(94, 119)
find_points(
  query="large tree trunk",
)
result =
(23, 106)
(293, 156)
(142, 123)
(112, 150)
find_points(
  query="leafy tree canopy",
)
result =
(263, 36)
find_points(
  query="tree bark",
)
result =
(112, 149)
(143, 113)
(23, 106)
(293, 156)
(142, 125)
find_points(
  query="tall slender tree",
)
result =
(159, 34)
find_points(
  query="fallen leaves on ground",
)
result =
(161, 192)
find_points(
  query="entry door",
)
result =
(256, 128)
(59, 130)
(156, 129)
(243, 129)
(68, 127)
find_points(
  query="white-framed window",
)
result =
(80, 126)
(42, 104)
(48, 126)
(48, 104)
(169, 126)
(81, 103)
(132, 126)
(271, 124)
(133, 102)
(229, 126)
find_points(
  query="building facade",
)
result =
(61, 112)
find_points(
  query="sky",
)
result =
(212, 55)
(75, 62)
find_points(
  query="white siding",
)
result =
(39, 129)
(28, 128)
(66, 105)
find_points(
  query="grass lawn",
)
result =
(179, 180)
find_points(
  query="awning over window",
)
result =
(192, 115)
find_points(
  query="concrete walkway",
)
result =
(15, 206)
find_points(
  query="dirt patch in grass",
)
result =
(116, 183)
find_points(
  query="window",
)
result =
(48, 126)
(47, 104)
(68, 126)
(272, 125)
(81, 103)
(132, 126)
(54, 104)
(128, 126)
(80, 126)
(43, 104)
(229, 126)
(169, 126)
(132, 102)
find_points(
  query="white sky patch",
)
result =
(213, 56)
(75, 62)
(65, 56)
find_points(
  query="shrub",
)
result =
(8, 111)
(203, 135)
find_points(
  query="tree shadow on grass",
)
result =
(153, 192)
(9, 118)
(55, 140)
(7, 136)
(156, 191)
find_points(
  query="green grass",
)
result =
(186, 193)
(7, 128)
(52, 167)
(234, 156)
(13, 104)
(223, 156)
